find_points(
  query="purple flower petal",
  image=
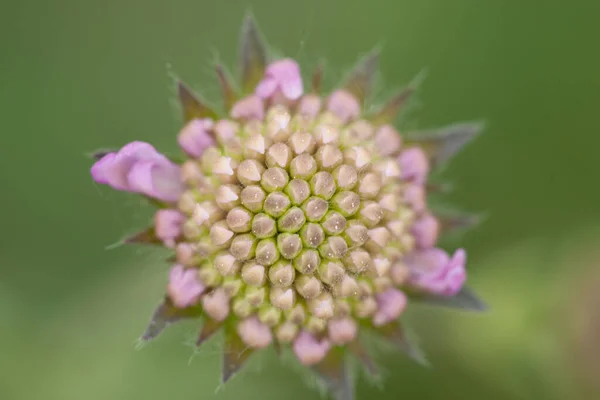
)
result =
(426, 231)
(248, 108)
(309, 350)
(283, 75)
(159, 180)
(167, 225)
(101, 168)
(390, 305)
(433, 271)
(414, 165)
(344, 105)
(194, 138)
(184, 287)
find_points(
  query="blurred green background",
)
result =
(76, 75)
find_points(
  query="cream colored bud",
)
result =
(307, 261)
(370, 214)
(346, 202)
(289, 245)
(388, 140)
(382, 266)
(263, 226)
(243, 247)
(255, 295)
(274, 179)
(365, 307)
(323, 185)
(345, 176)
(276, 204)
(399, 274)
(291, 221)
(278, 155)
(191, 174)
(278, 120)
(249, 172)
(228, 196)
(302, 142)
(356, 233)
(281, 274)
(325, 133)
(255, 146)
(334, 223)
(239, 220)
(312, 235)
(329, 157)
(226, 264)
(242, 308)
(232, 285)
(369, 185)
(224, 168)
(187, 202)
(331, 272)
(308, 286)
(389, 170)
(315, 208)
(209, 158)
(378, 239)
(297, 190)
(333, 248)
(286, 332)
(348, 287)
(266, 252)
(253, 198)
(283, 298)
(342, 308)
(365, 288)
(315, 325)
(303, 166)
(389, 204)
(209, 275)
(191, 230)
(297, 315)
(220, 234)
(323, 306)
(382, 283)
(358, 261)
(397, 228)
(269, 315)
(253, 273)
(357, 156)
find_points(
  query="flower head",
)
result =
(298, 218)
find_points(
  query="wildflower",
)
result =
(298, 218)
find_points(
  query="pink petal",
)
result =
(157, 180)
(415, 197)
(283, 75)
(194, 138)
(426, 231)
(167, 225)
(254, 333)
(250, 107)
(342, 330)
(101, 168)
(414, 165)
(309, 350)
(390, 305)
(184, 287)
(344, 105)
(435, 272)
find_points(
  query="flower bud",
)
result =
(358, 157)
(228, 196)
(312, 235)
(334, 223)
(308, 286)
(356, 233)
(302, 142)
(216, 304)
(341, 331)
(254, 146)
(239, 219)
(226, 264)
(289, 245)
(232, 285)
(328, 157)
(325, 133)
(254, 333)
(278, 155)
(315, 208)
(276, 204)
(303, 166)
(387, 140)
(358, 261)
(242, 308)
(243, 247)
(266, 252)
(331, 272)
(322, 306)
(269, 315)
(369, 185)
(283, 298)
(322, 185)
(297, 190)
(255, 295)
(292, 220)
(370, 213)
(346, 202)
(249, 172)
(333, 248)
(253, 273)
(220, 234)
(281, 274)
(253, 198)
(297, 314)
(345, 176)
(274, 179)
(286, 332)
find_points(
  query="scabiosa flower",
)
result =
(298, 218)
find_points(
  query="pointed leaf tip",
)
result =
(191, 106)
(253, 55)
(465, 300)
(209, 328)
(459, 222)
(235, 355)
(335, 373)
(317, 78)
(164, 315)
(147, 236)
(441, 144)
(397, 335)
(362, 78)
(227, 90)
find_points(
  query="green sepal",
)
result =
(191, 106)
(465, 300)
(166, 314)
(235, 354)
(361, 79)
(334, 371)
(209, 328)
(253, 54)
(227, 89)
(360, 352)
(443, 143)
(396, 334)
(392, 108)
(317, 77)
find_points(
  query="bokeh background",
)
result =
(76, 75)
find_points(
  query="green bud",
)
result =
(289, 245)
(315, 208)
(322, 185)
(346, 202)
(334, 223)
(303, 166)
(312, 235)
(263, 226)
(307, 261)
(297, 190)
(274, 179)
(253, 198)
(239, 219)
(281, 274)
(333, 248)
(243, 246)
(276, 204)
(292, 220)
(266, 252)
